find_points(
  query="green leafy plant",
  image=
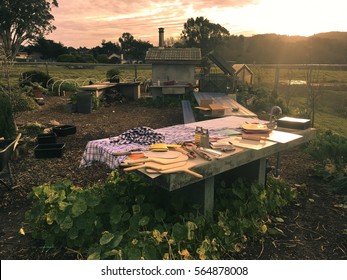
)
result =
(127, 218)
(113, 75)
(259, 99)
(21, 100)
(7, 125)
(29, 78)
(330, 150)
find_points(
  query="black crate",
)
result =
(294, 123)
(49, 150)
(47, 138)
(63, 130)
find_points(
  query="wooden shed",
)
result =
(243, 73)
(173, 69)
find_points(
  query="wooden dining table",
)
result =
(249, 158)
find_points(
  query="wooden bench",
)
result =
(188, 115)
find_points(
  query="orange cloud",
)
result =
(87, 23)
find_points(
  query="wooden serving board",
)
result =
(183, 168)
(168, 154)
(155, 166)
(162, 161)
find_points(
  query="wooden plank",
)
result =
(231, 106)
(188, 114)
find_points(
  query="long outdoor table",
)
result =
(249, 155)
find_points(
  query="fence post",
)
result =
(46, 64)
(135, 68)
(277, 78)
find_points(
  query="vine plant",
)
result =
(127, 218)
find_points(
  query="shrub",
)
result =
(7, 125)
(31, 77)
(21, 101)
(259, 100)
(330, 150)
(102, 58)
(66, 58)
(64, 86)
(113, 75)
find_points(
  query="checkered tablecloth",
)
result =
(102, 150)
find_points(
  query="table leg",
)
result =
(262, 171)
(208, 196)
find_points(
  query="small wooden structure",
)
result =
(218, 82)
(243, 73)
(99, 89)
(230, 107)
(173, 69)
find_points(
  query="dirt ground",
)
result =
(312, 228)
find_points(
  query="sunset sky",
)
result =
(85, 23)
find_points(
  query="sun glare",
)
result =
(295, 17)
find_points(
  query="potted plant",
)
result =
(71, 106)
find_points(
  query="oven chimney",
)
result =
(161, 37)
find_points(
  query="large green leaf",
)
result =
(149, 252)
(93, 199)
(144, 221)
(116, 214)
(66, 224)
(179, 232)
(117, 239)
(94, 256)
(63, 205)
(79, 207)
(159, 215)
(126, 216)
(134, 253)
(134, 221)
(106, 238)
(136, 209)
(73, 233)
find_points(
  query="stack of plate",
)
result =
(255, 128)
(255, 131)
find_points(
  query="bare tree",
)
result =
(313, 90)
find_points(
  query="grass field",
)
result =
(82, 75)
(329, 89)
(330, 86)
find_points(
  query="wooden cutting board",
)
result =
(155, 166)
(168, 154)
(183, 168)
(162, 161)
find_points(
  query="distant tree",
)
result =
(47, 48)
(133, 49)
(106, 48)
(127, 44)
(140, 49)
(201, 33)
(23, 21)
(171, 41)
(102, 58)
(110, 48)
(66, 58)
(85, 58)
